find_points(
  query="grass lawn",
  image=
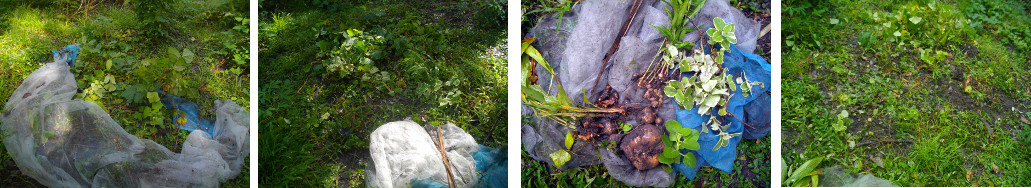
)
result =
(920, 93)
(116, 38)
(331, 73)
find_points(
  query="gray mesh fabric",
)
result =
(404, 151)
(62, 142)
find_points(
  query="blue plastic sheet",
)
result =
(186, 114)
(754, 109)
(491, 166)
(72, 53)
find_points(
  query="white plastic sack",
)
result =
(62, 142)
(404, 151)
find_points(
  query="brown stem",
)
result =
(742, 121)
(615, 44)
(443, 154)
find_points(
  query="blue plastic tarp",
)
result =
(186, 114)
(491, 167)
(754, 109)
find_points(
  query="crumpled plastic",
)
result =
(405, 154)
(186, 114)
(62, 142)
(837, 177)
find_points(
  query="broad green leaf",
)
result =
(669, 90)
(834, 21)
(691, 144)
(915, 19)
(805, 169)
(669, 155)
(560, 158)
(689, 160)
(533, 92)
(680, 98)
(672, 50)
(526, 44)
(188, 55)
(712, 100)
(569, 140)
(153, 97)
(672, 126)
(783, 170)
(718, 22)
(173, 53)
(708, 85)
(526, 64)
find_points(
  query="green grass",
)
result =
(114, 31)
(913, 114)
(442, 60)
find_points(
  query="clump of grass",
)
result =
(925, 110)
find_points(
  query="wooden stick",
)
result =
(615, 44)
(443, 154)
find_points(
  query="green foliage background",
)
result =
(126, 54)
(332, 71)
(935, 91)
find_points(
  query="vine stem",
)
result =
(615, 44)
(742, 121)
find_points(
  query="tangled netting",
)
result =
(575, 46)
(62, 142)
(406, 154)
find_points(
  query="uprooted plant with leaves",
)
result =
(646, 145)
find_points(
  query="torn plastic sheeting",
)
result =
(837, 177)
(405, 154)
(62, 142)
(491, 165)
(186, 114)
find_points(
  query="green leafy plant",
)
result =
(562, 156)
(934, 60)
(558, 107)
(709, 87)
(721, 33)
(356, 57)
(102, 84)
(679, 138)
(557, 7)
(842, 122)
(799, 175)
(682, 11)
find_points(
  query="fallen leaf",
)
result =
(879, 162)
(970, 175)
(1024, 119)
(995, 168)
